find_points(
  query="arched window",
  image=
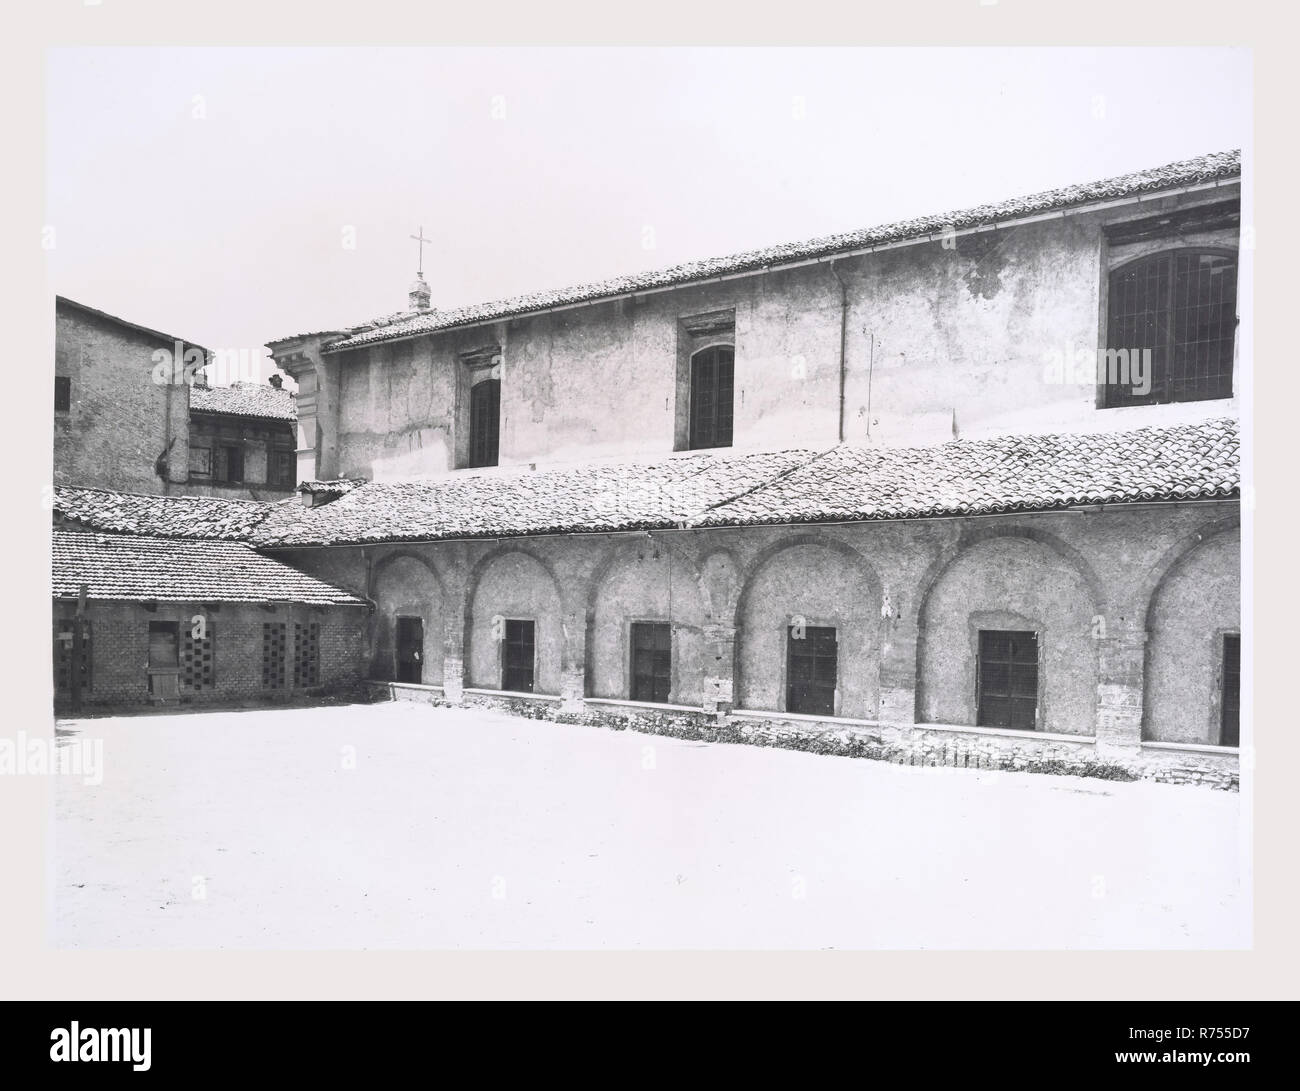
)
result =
(1178, 309)
(712, 381)
(484, 422)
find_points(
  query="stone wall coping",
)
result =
(417, 686)
(759, 714)
(1193, 747)
(1003, 733)
(555, 697)
(649, 706)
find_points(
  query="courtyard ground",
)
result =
(401, 826)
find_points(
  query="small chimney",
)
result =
(420, 294)
(276, 380)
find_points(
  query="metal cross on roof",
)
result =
(421, 240)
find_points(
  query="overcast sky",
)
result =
(206, 192)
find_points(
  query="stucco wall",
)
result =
(941, 338)
(1197, 602)
(907, 599)
(812, 585)
(1017, 584)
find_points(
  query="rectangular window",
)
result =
(1178, 310)
(72, 656)
(283, 469)
(1230, 725)
(62, 393)
(230, 464)
(410, 649)
(712, 395)
(812, 670)
(163, 645)
(484, 422)
(517, 657)
(652, 656)
(1007, 679)
(201, 461)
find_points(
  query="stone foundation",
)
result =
(903, 744)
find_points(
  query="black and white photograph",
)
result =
(644, 498)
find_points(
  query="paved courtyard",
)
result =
(398, 826)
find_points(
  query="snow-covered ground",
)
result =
(403, 826)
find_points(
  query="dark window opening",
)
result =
(410, 649)
(72, 657)
(652, 648)
(812, 666)
(62, 394)
(484, 422)
(229, 465)
(712, 390)
(1179, 306)
(1007, 680)
(517, 657)
(1230, 724)
(164, 645)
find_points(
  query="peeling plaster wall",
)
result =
(941, 339)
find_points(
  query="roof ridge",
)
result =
(1207, 166)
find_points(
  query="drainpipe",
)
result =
(844, 326)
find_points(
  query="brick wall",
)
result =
(119, 634)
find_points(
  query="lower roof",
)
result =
(1005, 474)
(145, 568)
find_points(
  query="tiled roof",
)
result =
(623, 496)
(164, 516)
(846, 483)
(244, 400)
(1205, 168)
(964, 477)
(1007, 474)
(144, 568)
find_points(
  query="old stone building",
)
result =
(960, 490)
(133, 412)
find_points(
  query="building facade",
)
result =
(133, 412)
(963, 490)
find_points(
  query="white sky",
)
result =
(227, 228)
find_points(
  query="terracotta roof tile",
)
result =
(144, 568)
(165, 516)
(244, 400)
(1205, 168)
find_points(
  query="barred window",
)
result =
(1007, 679)
(1180, 306)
